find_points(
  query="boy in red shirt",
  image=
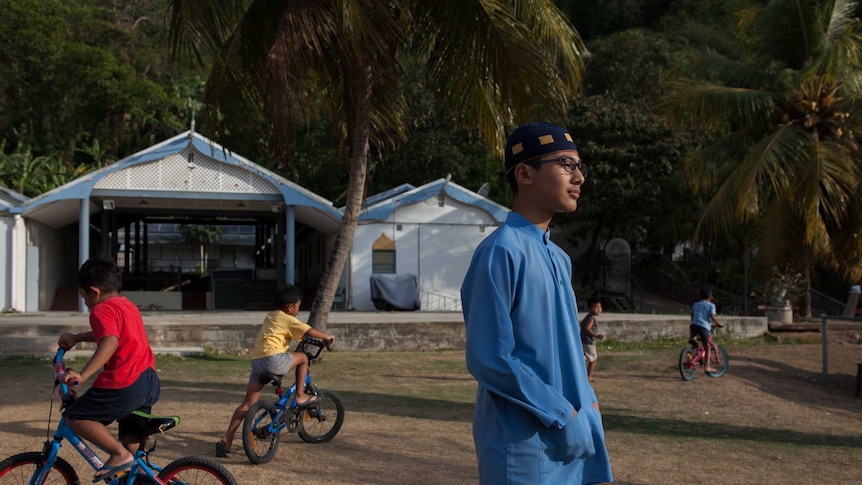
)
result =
(128, 380)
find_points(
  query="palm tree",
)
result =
(789, 119)
(493, 62)
(204, 235)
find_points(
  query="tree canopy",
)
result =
(523, 61)
(789, 120)
(85, 83)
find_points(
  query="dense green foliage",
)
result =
(85, 83)
(355, 63)
(790, 118)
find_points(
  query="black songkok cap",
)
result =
(534, 140)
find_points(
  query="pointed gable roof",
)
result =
(9, 197)
(383, 208)
(188, 172)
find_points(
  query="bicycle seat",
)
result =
(150, 424)
(268, 377)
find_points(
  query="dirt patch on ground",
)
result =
(768, 420)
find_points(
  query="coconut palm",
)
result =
(789, 119)
(203, 235)
(494, 63)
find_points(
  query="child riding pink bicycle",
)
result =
(702, 320)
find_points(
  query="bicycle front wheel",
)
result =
(686, 364)
(258, 442)
(322, 420)
(719, 361)
(196, 470)
(19, 469)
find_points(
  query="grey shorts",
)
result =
(279, 364)
(590, 352)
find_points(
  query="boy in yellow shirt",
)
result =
(270, 354)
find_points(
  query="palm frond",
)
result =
(847, 241)
(486, 57)
(791, 31)
(716, 106)
(775, 234)
(841, 16)
(824, 184)
(840, 57)
(707, 167)
(764, 170)
(201, 26)
(554, 31)
(235, 87)
(711, 66)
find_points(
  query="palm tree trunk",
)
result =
(358, 87)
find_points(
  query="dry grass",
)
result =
(409, 416)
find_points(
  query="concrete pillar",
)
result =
(18, 280)
(290, 237)
(83, 242)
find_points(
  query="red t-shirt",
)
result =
(120, 318)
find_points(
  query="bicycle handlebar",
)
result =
(60, 369)
(319, 343)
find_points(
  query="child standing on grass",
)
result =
(590, 333)
(270, 355)
(128, 381)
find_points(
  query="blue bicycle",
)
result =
(316, 422)
(46, 467)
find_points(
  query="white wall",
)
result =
(6, 225)
(51, 261)
(435, 243)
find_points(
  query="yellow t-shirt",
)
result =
(277, 331)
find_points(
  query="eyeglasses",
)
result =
(569, 164)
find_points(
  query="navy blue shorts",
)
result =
(702, 332)
(109, 405)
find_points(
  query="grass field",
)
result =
(408, 419)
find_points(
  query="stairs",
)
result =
(619, 303)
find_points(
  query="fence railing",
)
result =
(825, 303)
(439, 301)
(842, 350)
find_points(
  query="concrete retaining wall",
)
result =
(636, 330)
(41, 340)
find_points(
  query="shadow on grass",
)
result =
(354, 401)
(788, 382)
(694, 430)
(407, 406)
(780, 376)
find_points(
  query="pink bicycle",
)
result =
(694, 355)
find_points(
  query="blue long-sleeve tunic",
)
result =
(524, 349)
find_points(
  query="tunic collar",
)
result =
(518, 221)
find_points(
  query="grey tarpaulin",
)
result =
(395, 292)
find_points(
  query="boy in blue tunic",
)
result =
(537, 417)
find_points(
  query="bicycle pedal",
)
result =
(112, 476)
